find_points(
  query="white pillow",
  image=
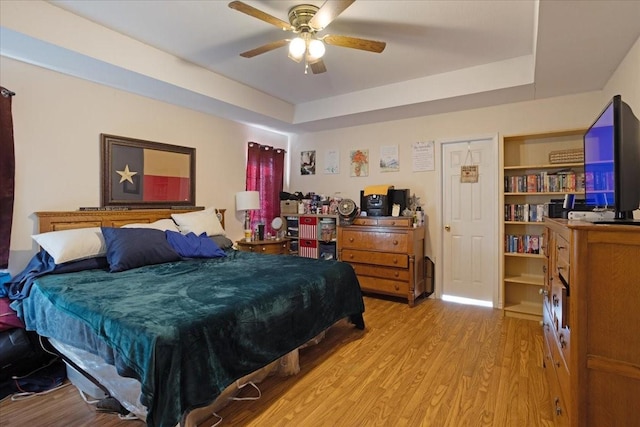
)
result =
(161, 224)
(199, 222)
(72, 245)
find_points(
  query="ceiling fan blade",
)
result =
(328, 12)
(317, 66)
(264, 48)
(256, 13)
(354, 43)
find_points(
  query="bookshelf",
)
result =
(312, 236)
(530, 183)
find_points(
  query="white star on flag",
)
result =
(126, 175)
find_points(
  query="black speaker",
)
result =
(400, 197)
(363, 202)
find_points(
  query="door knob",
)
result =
(447, 227)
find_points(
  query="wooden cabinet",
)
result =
(591, 323)
(387, 254)
(312, 236)
(530, 182)
(275, 246)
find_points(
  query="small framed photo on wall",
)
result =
(359, 162)
(308, 162)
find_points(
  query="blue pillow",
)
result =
(191, 246)
(129, 248)
(81, 265)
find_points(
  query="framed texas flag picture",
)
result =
(145, 174)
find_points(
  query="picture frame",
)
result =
(308, 162)
(144, 174)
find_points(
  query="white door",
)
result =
(470, 221)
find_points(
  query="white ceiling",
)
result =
(440, 55)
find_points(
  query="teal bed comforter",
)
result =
(188, 329)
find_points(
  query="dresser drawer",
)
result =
(559, 405)
(544, 247)
(384, 221)
(562, 373)
(556, 373)
(278, 248)
(376, 258)
(383, 272)
(375, 240)
(384, 286)
(559, 305)
(563, 270)
(562, 252)
(269, 249)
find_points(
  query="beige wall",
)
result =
(57, 123)
(58, 119)
(626, 80)
(525, 117)
(567, 112)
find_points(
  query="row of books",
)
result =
(563, 181)
(525, 212)
(522, 243)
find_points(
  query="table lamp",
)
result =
(247, 201)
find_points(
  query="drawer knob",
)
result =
(393, 223)
(264, 249)
(351, 239)
(395, 242)
(563, 343)
(395, 260)
(557, 405)
(350, 256)
(396, 274)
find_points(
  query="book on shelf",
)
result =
(104, 208)
(523, 243)
(554, 182)
(524, 212)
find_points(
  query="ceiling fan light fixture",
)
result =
(316, 49)
(297, 47)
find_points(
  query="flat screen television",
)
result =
(612, 162)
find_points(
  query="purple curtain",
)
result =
(7, 174)
(265, 173)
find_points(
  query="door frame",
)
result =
(497, 265)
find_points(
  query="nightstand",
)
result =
(274, 246)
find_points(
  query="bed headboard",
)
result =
(64, 220)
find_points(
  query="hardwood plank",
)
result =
(437, 363)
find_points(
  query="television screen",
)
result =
(611, 159)
(599, 166)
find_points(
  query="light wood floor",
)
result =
(437, 364)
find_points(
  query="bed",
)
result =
(184, 329)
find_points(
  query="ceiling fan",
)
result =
(306, 21)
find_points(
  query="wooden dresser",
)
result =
(387, 254)
(592, 323)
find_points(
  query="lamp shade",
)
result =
(247, 200)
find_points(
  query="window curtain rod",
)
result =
(7, 93)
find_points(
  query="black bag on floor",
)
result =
(26, 367)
